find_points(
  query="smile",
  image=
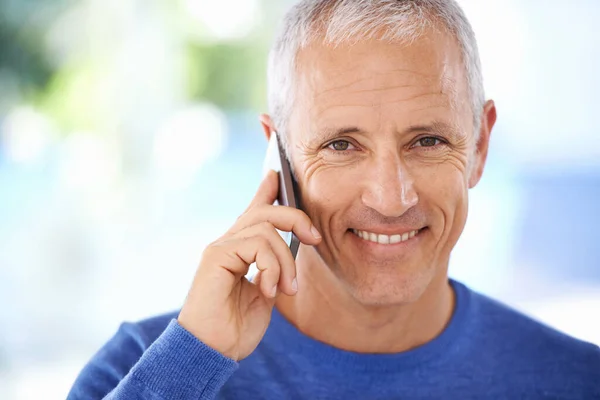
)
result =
(385, 239)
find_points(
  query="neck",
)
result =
(323, 310)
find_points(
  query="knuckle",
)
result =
(262, 242)
(300, 216)
(216, 248)
(266, 227)
(210, 249)
(266, 230)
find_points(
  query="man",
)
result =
(381, 107)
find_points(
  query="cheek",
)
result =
(327, 192)
(443, 191)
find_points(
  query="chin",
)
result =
(388, 288)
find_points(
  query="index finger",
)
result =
(267, 190)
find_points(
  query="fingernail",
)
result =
(274, 291)
(315, 232)
(295, 285)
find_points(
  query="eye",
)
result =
(429, 141)
(340, 145)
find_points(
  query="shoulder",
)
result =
(518, 329)
(533, 350)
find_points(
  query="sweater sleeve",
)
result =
(175, 366)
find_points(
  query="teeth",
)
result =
(395, 239)
(385, 239)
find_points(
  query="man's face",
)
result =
(380, 138)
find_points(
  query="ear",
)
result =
(488, 119)
(267, 124)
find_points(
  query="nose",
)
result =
(389, 188)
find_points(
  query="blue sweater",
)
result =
(486, 351)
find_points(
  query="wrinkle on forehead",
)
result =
(372, 68)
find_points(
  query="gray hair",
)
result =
(349, 21)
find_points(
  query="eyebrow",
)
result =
(448, 130)
(440, 127)
(326, 134)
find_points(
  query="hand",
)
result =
(223, 309)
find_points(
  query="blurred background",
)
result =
(129, 139)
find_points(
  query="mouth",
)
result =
(386, 239)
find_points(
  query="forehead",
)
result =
(375, 79)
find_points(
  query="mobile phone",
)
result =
(288, 188)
